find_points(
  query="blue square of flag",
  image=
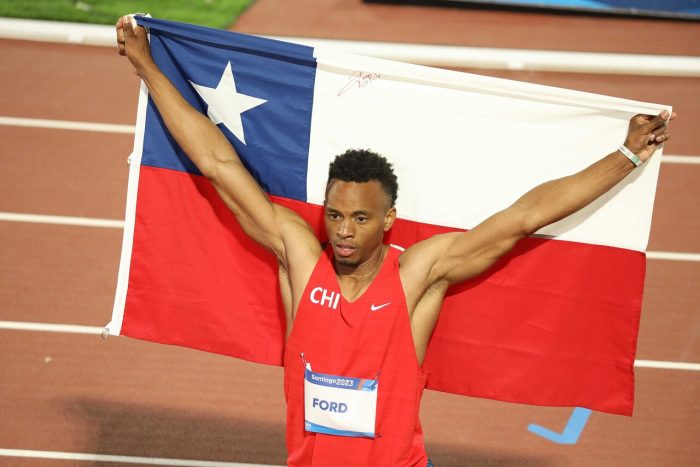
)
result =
(258, 91)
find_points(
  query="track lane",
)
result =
(128, 397)
(478, 27)
(463, 431)
(58, 274)
(676, 219)
(76, 275)
(66, 82)
(63, 172)
(670, 324)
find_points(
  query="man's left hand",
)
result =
(647, 132)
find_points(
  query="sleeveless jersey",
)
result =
(369, 336)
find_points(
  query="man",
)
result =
(359, 312)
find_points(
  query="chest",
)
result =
(375, 311)
(347, 337)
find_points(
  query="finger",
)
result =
(659, 131)
(122, 31)
(659, 137)
(655, 135)
(642, 119)
(657, 121)
(133, 24)
(128, 28)
(120, 35)
(663, 137)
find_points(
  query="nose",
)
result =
(346, 229)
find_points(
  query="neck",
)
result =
(363, 271)
(353, 281)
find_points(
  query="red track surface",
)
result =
(75, 393)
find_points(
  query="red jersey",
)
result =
(359, 339)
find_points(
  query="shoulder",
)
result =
(300, 246)
(417, 265)
(422, 254)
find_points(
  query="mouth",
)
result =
(344, 250)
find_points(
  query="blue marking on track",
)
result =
(572, 431)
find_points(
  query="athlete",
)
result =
(359, 308)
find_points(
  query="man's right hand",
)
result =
(133, 43)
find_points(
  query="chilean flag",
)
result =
(553, 323)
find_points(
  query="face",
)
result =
(356, 217)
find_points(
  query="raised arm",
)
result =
(269, 224)
(455, 257)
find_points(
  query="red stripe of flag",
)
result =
(557, 326)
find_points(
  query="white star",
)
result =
(226, 104)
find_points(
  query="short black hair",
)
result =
(363, 165)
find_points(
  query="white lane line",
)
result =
(67, 125)
(122, 459)
(77, 329)
(680, 159)
(49, 327)
(432, 55)
(119, 224)
(667, 365)
(62, 220)
(673, 256)
(513, 59)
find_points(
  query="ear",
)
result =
(389, 219)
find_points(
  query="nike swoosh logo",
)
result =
(375, 308)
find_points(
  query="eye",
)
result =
(334, 216)
(361, 219)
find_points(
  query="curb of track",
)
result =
(422, 54)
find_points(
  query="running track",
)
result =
(68, 392)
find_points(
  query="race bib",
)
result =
(339, 405)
